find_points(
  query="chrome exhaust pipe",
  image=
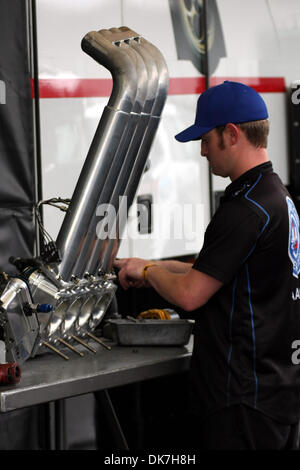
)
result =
(106, 260)
(121, 160)
(135, 153)
(110, 133)
(114, 171)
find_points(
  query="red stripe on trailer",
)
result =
(186, 86)
(102, 87)
(260, 84)
(74, 87)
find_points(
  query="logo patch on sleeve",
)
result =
(294, 238)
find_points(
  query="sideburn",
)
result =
(221, 144)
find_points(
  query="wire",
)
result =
(58, 203)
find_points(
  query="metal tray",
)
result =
(151, 332)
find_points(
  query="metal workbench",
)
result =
(48, 377)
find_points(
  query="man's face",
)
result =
(214, 149)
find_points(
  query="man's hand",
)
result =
(131, 272)
(186, 287)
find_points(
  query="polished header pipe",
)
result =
(136, 152)
(106, 259)
(110, 132)
(122, 158)
(119, 150)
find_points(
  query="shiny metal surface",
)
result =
(21, 331)
(111, 128)
(43, 291)
(120, 160)
(37, 315)
(78, 307)
(106, 260)
(135, 152)
(66, 300)
(140, 84)
(48, 377)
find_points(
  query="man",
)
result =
(244, 283)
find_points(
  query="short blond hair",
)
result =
(255, 131)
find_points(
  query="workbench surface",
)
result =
(49, 377)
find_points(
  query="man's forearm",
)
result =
(132, 274)
(166, 283)
(174, 266)
(189, 288)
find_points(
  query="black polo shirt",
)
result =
(248, 334)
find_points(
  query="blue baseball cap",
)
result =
(229, 102)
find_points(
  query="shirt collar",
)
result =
(245, 180)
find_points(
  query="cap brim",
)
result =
(193, 132)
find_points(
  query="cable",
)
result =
(49, 250)
(58, 203)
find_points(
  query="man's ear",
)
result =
(232, 133)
